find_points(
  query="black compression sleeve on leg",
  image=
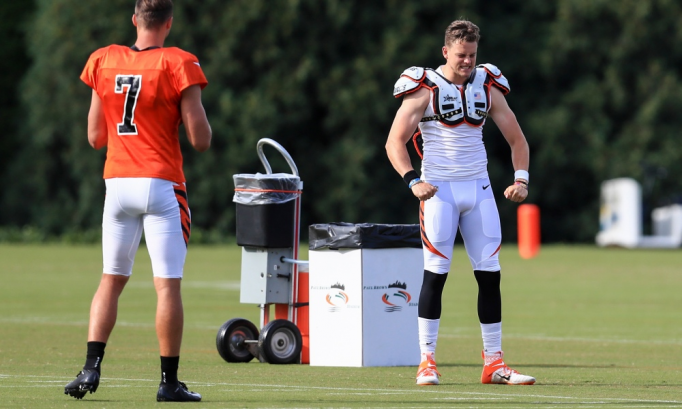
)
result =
(489, 296)
(430, 303)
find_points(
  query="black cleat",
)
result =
(176, 393)
(86, 380)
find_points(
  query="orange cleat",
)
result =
(497, 372)
(427, 374)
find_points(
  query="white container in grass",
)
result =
(364, 306)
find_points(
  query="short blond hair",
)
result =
(462, 31)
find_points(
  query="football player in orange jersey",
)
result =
(140, 95)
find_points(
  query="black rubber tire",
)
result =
(280, 342)
(231, 337)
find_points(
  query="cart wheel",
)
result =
(280, 342)
(231, 337)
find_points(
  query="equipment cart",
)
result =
(268, 210)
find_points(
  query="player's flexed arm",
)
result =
(506, 121)
(405, 122)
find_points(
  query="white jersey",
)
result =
(452, 127)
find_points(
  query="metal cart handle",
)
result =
(281, 150)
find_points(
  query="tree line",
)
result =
(595, 86)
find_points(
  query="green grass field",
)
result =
(596, 327)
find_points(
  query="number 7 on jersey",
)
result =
(132, 85)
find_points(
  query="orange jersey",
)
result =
(141, 93)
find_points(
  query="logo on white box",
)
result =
(396, 299)
(336, 297)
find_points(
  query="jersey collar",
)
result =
(134, 48)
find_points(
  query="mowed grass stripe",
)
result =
(50, 321)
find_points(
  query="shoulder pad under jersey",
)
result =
(499, 80)
(410, 80)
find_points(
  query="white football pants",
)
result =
(155, 205)
(469, 206)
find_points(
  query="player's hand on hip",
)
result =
(516, 193)
(424, 190)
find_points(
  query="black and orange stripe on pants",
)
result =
(425, 240)
(183, 204)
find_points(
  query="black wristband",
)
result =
(410, 176)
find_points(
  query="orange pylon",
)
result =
(528, 230)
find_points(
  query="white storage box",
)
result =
(363, 304)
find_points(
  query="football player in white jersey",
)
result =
(449, 106)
